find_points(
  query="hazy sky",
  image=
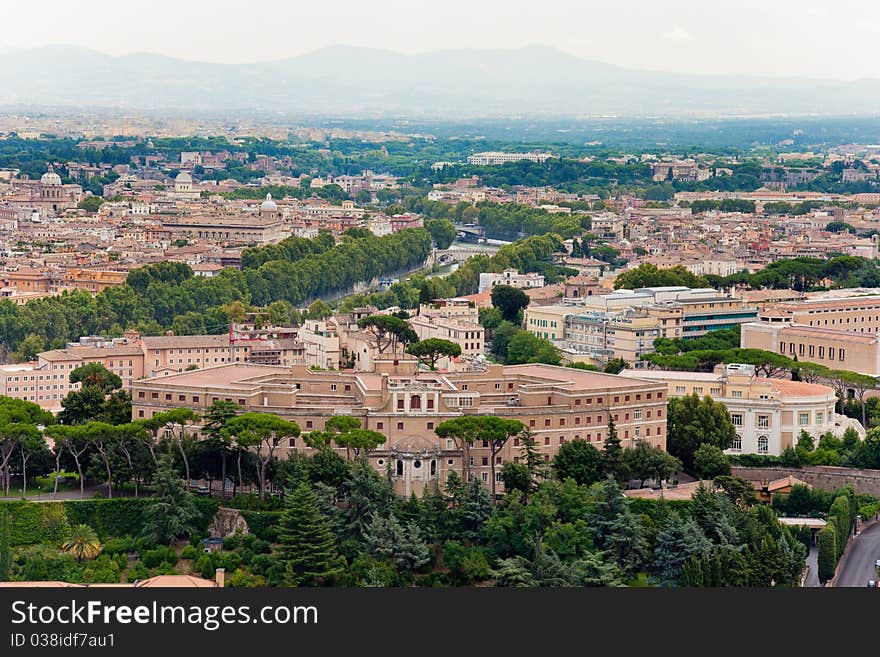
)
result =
(839, 39)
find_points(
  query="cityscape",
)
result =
(357, 317)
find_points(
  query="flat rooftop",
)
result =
(584, 379)
(222, 375)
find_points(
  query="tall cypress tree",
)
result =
(308, 547)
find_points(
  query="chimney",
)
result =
(220, 578)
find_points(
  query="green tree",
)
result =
(173, 513)
(532, 457)
(81, 406)
(213, 424)
(90, 203)
(644, 461)
(648, 275)
(463, 431)
(691, 422)
(578, 460)
(176, 421)
(387, 538)
(318, 309)
(710, 461)
(429, 351)
(615, 366)
(510, 301)
(307, 548)
(95, 374)
(516, 477)
(827, 552)
(677, 542)
(387, 330)
(527, 348)
(264, 433)
(613, 462)
(442, 232)
(28, 348)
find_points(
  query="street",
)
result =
(859, 567)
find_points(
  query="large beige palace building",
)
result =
(839, 333)
(769, 414)
(556, 403)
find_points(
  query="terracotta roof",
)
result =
(681, 492)
(799, 388)
(52, 584)
(184, 341)
(481, 298)
(72, 353)
(176, 581)
(784, 482)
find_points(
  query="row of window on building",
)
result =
(811, 350)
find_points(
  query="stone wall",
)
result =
(819, 476)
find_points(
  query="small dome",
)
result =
(183, 177)
(50, 178)
(268, 204)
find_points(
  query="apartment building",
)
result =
(606, 336)
(495, 158)
(642, 314)
(456, 320)
(548, 322)
(512, 278)
(608, 226)
(557, 404)
(322, 343)
(47, 381)
(842, 334)
(768, 413)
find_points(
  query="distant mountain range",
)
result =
(349, 81)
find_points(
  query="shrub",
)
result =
(232, 542)
(755, 460)
(104, 569)
(868, 511)
(137, 571)
(144, 543)
(121, 546)
(228, 560)
(243, 579)
(205, 566)
(162, 554)
(189, 552)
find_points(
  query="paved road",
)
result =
(859, 567)
(813, 564)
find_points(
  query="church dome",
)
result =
(50, 178)
(183, 177)
(268, 205)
